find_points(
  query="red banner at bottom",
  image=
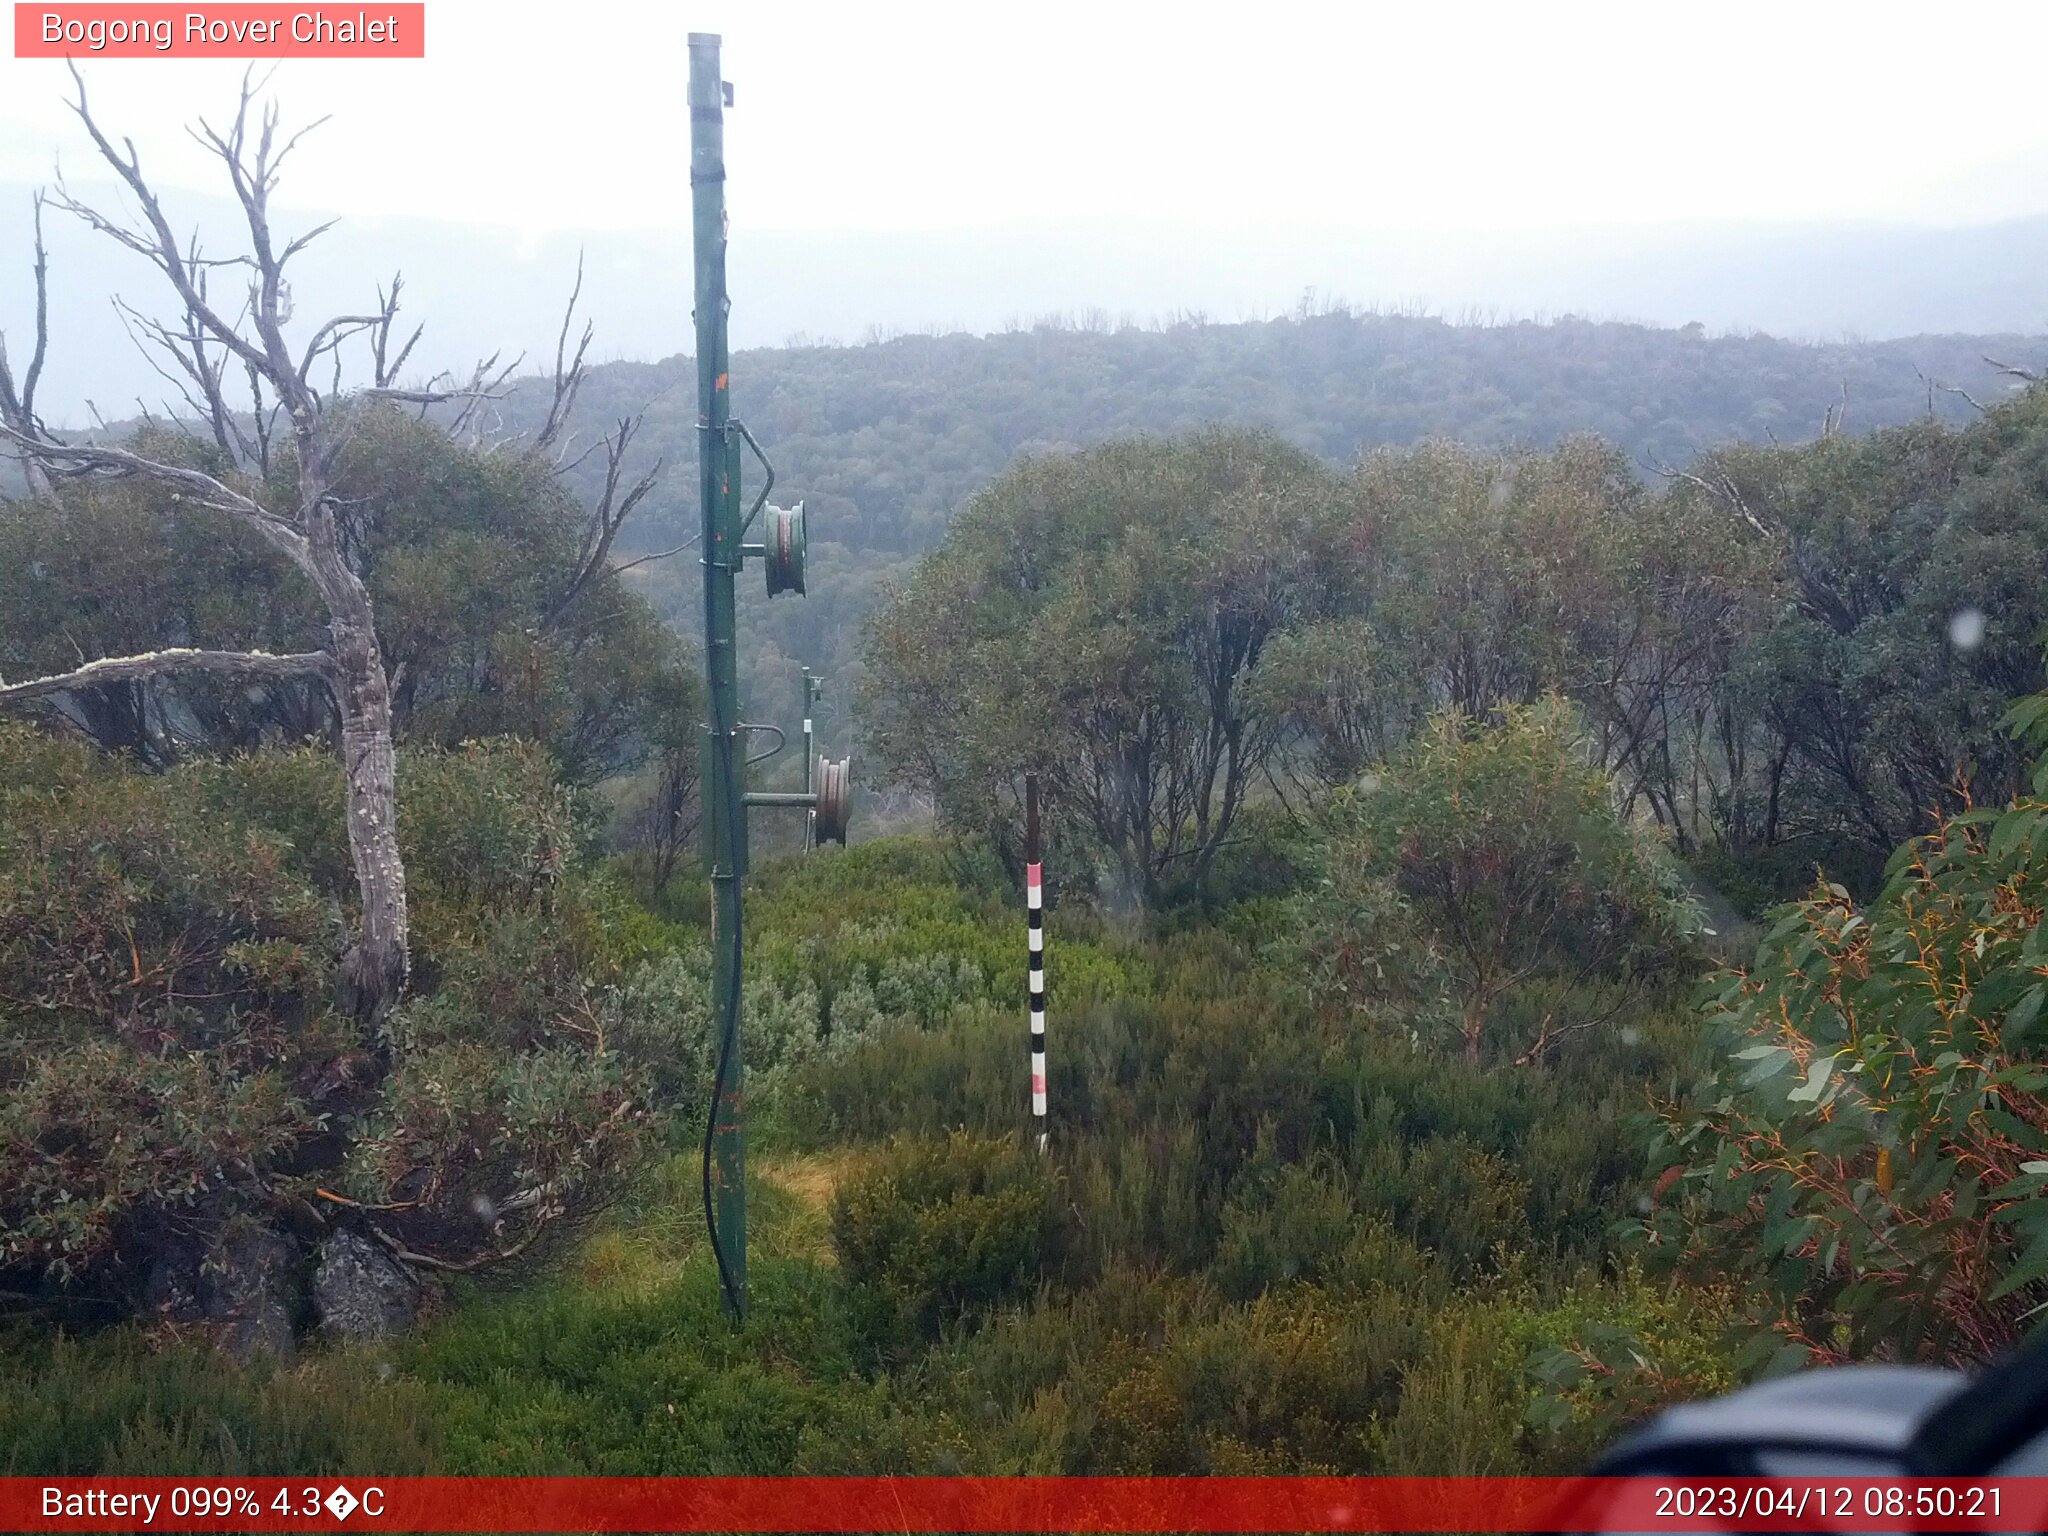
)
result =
(998, 1504)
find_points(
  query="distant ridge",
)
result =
(887, 440)
(481, 289)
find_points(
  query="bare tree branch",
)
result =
(431, 395)
(294, 247)
(263, 417)
(487, 381)
(1726, 491)
(93, 461)
(127, 669)
(18, 402)
(607, 517)
(568, 378)
(660, 554)
(1837, 415)
(202, 371)
(452, 1266)
(333, 333)
(159, 244)
(384, 368)
(270, 297)
(34, 375)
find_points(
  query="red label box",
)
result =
(236, 31)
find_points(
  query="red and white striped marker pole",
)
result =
(1034, 902)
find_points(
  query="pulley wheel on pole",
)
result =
(784, 542)
(835, 799)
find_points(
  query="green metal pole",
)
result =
(725, 818)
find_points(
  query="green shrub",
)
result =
(966, 1073)
(1867, 1145)
(1150, 1198)
(1605, 1354)
(1485, 856)
(1282, 1224)
(564, 1381)
(1142, 1373)
(1269, 856)
(171, 1061)
(1452, 1199)
(118, 1403)
(1287, 1383)
(164, 1042)
(1754, 880)
(930, 1232)
(1460, 1411)
(550, 1379)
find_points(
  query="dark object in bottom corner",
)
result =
(1856, 1421)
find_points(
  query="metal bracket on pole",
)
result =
(767, 469)
(762, 757)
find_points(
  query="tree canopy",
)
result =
(467, 555)
(1093, 618)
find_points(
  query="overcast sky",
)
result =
(896, 166)
(878, 116)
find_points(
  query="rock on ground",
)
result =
(250, 1288)
(246, 1286)
(360, 1291)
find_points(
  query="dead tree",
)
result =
(238, 377)
(208, 346)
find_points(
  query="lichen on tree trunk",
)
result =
(373, 972)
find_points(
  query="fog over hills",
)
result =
(481, 289)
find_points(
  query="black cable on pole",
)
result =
(725, 1280)
(728, 1032)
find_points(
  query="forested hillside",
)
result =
(884, 442)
